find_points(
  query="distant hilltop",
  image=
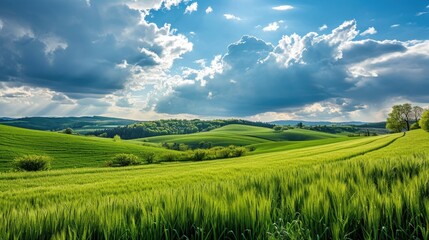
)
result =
(316, 123)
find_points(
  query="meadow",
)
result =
(68, 151)
(372, 188)
(241, 135)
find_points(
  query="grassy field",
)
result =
(268, 147)
(78, 124)
(374, 188)
(240, 135)
(68, 151)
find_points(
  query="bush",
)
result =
(278, 128)
(123, 159)
(199, 155)
(117, 138)
(32, 163)
(424, 121)
(68, 131)
(221, 152)
(169, 157)
(237, 151)
(149, 157)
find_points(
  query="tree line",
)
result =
(171, 127)
(405, 117)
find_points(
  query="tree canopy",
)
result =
(403, 116)
(424, 121)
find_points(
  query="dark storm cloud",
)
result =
(342, 74)
(72, 47)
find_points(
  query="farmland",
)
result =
(68, 151)
(373, 187)
(240, 135)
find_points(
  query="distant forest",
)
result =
(170, 127)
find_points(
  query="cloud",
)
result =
(84, 50)
(421, 14)
(329, 76)
(323, 27)
(209, 10)
(369, 31)
(283, 8)
(272, 27)
(395, 25)
(29, 101)
(148, 5)
(124, 102)
(191, 8)
(231, 17)
(63, 99)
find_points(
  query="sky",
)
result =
(261, 60)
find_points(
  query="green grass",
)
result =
(373, 188)
(78, 124)
(291, 145)
(240, 135)
(66, 150)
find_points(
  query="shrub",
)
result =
(68, 131)
(424, 121)
(149, 157)
(117, 138)
(237, 151)
(32, 163)
(278, 128)
(123, 159)
(169, 157)
(222, 153)
(199, 155)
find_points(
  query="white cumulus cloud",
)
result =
(323, 27)
(329, 76)
(229, 16)
(283, 8)
(369, 31)
(209, 9)
(395, 25)
(272, 27)
(191, 8)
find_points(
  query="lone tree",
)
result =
(424, 121)
(394, 120)
(402, 117)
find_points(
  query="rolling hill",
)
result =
(66, 150)
(252, 196)
(78, 124)
(240, 135)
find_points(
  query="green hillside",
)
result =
(291, 145)
(78, 124)
(66, 150)
(240, 135)
(334, 191)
